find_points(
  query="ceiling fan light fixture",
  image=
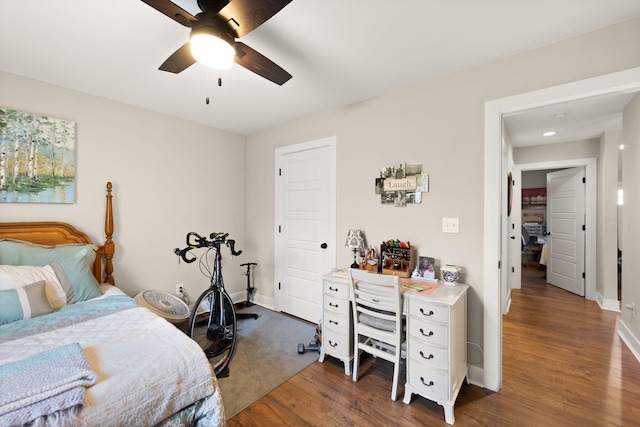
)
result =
(212, 51)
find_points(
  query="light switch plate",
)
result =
(450, 225)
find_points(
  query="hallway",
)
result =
(563, 352)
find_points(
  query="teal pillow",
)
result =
(76, 260)
(24, 303)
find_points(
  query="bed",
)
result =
(75, 350)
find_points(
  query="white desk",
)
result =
(337, 321)
(437, 345)
(436, 338)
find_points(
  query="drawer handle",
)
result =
(430, 313)
(333, 305)
(331, 288)
(430, 356)
(429, 384)
(332, 344)
(426, 335)
(333, 321)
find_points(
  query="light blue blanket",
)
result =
(67, 315)
(50, 382)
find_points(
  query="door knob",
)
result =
(323, 246)
(513, 237)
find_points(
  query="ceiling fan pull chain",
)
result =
(207, 86)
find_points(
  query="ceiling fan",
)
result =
(216, 28)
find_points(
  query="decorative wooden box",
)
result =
(398, 261)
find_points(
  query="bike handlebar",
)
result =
(194, 241)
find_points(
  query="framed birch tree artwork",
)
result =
(37, 158)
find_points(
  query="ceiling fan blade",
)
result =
(173, 11)
(254, 61)
(179, 60)
(250, 14)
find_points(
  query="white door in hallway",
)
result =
(565, 228)
(306, 225)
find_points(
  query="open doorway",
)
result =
(495, 209)
(535, 222)
(538, 212)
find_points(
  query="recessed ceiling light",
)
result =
(622, 146)
(549, 133)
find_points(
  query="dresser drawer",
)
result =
(431, 356)
(336, 344)
(336, 322)
(337, 289)
(428, 332)
(336, 305)
(429, 382)
(428, 310)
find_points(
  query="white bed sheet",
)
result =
(147, 369)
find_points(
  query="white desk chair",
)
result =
(377, 320)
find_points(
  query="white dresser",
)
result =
(337, 321)
(437, 345)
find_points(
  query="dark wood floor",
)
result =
(564, 365)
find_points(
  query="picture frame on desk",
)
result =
(426, 268)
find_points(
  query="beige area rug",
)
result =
(266, 356)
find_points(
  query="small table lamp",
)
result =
(355, 241)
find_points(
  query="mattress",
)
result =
(149, 372)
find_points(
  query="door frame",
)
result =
(515, 254)
(280, 152)
(591, 212)
(495, 218)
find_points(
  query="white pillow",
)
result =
(18, 276)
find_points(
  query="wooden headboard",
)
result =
(60, 233)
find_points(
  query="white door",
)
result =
(565, 229)
(305, 228)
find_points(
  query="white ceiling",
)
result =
(338, 51)
(572, 120)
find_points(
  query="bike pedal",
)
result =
(224, 373)
(217, 348)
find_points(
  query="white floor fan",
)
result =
(164, 304)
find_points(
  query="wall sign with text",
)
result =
(402, 183)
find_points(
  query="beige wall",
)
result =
(169, 177)
(438, 123)
(607, 235)
(585, 149)
(630, 229)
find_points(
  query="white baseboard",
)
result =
(475, 376)
(257, 299)
(607, 304)
(629, 339)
